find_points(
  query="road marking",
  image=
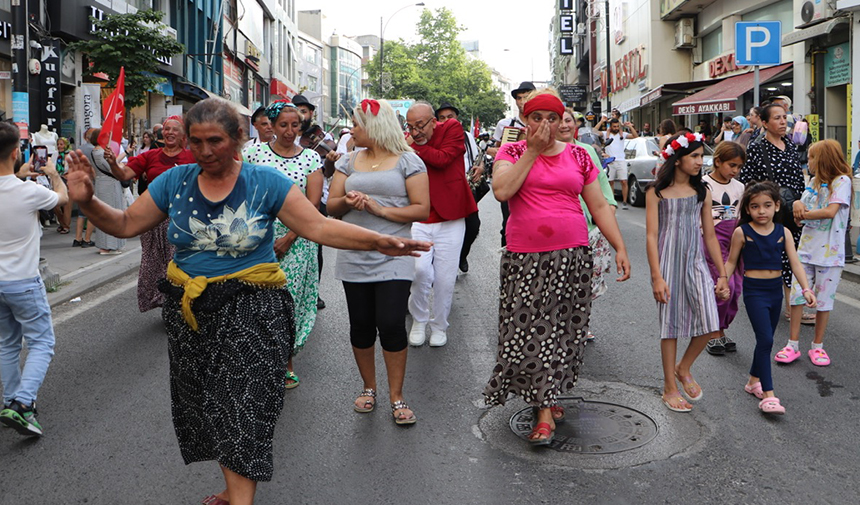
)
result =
(847, 300)
(100, 264)
(85, 306)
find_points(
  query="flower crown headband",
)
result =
(681, 142)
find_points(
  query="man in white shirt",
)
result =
(25, 315)
(263, 126)
(618, 168)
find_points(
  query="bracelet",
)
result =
(807, 290)
(723, 277)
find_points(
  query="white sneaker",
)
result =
(438, 338)
(417, 333)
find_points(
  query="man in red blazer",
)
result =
(441, 147)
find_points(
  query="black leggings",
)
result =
(377, 305)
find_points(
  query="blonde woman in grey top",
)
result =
(383, 187)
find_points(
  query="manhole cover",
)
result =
(592, 427)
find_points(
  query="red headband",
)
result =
(545, 101)
(372, 104)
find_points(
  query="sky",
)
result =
(520, 27)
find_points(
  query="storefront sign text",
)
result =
(51, 83)
(837, 65)
(626, 71)
(703, 108)
(722, 65)
(566, 27)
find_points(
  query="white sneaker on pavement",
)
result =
(417, 333)
(438, 338)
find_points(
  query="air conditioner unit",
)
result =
(684, 34)
(815, 11)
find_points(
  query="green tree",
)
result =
(436, 69)
(133, 41)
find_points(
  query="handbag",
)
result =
(787, 197)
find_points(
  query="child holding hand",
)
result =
(761, 241)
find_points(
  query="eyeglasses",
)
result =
(410, 128)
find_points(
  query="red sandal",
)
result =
(557, 413)
(541, 429)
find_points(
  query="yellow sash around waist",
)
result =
(267, 275)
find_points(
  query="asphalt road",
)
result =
(109, 439)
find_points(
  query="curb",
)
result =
(852, 274)
(94, 278)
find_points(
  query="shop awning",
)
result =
(815, 31)
(673, 89)
(723, 96)
(629, 104)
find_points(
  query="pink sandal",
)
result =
(754, 390)
(771, 406)
(786, 355)
(819, 357)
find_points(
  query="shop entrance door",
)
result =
(836, 115)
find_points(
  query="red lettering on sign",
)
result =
(722, 65)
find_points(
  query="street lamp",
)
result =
(382, 39)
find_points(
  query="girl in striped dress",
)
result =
(678, 205)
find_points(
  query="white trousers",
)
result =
(436, 271)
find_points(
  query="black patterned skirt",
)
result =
(156, 252)
(227, 378)
(544, 308)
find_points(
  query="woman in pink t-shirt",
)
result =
(545, 300)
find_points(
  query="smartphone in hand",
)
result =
(40, 159)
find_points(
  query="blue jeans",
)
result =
(24, 316)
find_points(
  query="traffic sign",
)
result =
(758, 43)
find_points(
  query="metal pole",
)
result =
(381, 55)
(608, 64)
(20, 76)
(755, 87)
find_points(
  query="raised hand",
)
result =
(80, 176)
(540, 138)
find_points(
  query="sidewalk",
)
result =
(82, 270)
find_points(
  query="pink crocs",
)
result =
(771, 406)
(786, 355)
(819, 357)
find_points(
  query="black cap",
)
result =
(524, 86)
(301, 100)
(447, 105)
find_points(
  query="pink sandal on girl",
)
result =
(819, 357)
(786, 355)
(754, 390)
(771, 406)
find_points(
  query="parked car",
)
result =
(641, 156)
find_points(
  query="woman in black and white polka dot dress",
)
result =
(297, 256)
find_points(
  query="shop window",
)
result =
(712, 44)
(779, 11)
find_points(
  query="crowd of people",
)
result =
(232, 229)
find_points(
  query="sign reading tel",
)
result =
(758, 43)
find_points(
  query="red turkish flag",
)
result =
(114, 116)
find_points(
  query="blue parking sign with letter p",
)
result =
(758, 43)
